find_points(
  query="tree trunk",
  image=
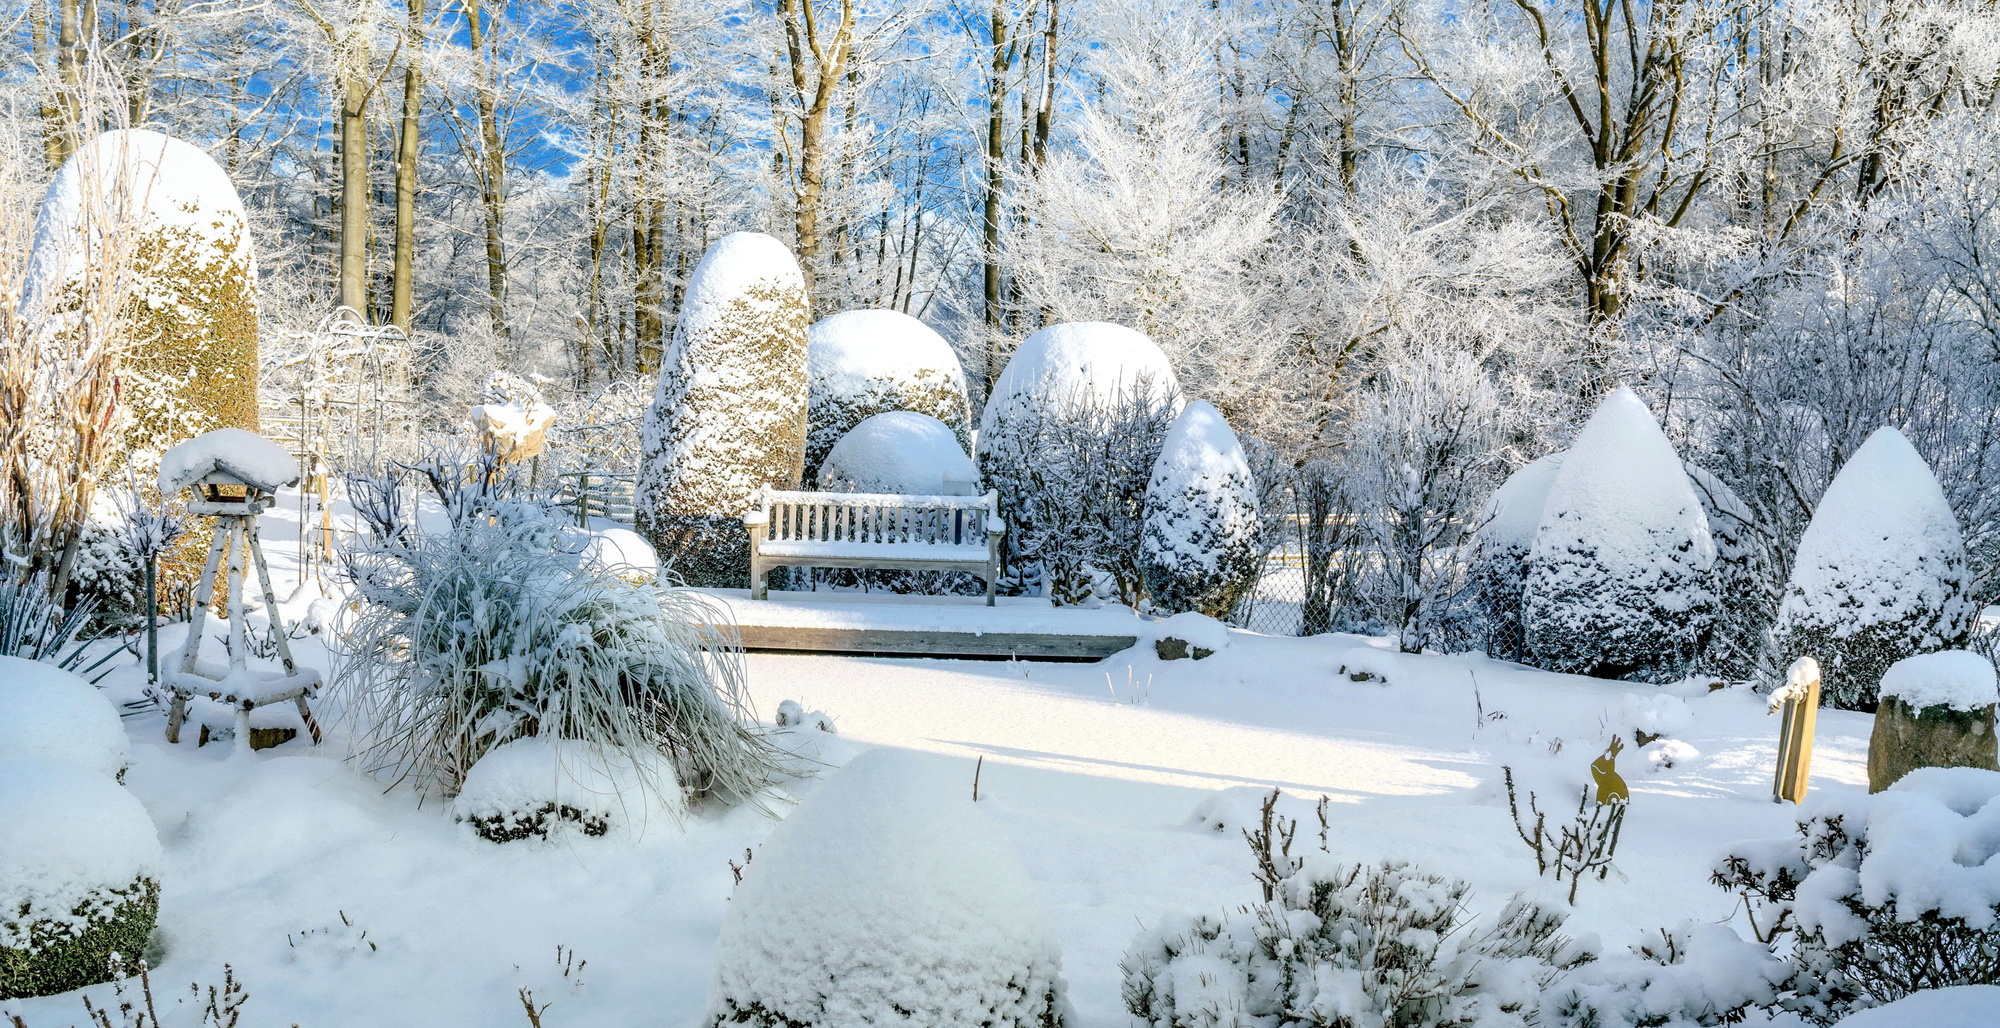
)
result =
(68, 112)
(354, 188)
(492, 164)
(408, 144)
(996, 165)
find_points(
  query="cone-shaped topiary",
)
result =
(1619, 577)
(1199, 549)
(863, 363)
(730, 413)
(1501, 545)
(79, 877)
(888, 898)
(1879, 576)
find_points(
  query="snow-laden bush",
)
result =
(867, 362)
(1700, 974)
(544, 788)
(1878, 897)
(1743, 579)
(47, 713)
(34, 625)
(1618, 578)
(494, 629)
(1505, 536)
(79, 877)
(1199, 550)
(729, 416)
(887, 898)
(897, 452)
(1880, 574)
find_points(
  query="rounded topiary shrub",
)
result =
(729, 415)
(47, 713)
(1618, 582)
(907, 453)
(1500, 550)
(79, 877)
(1199, 549)
(887, 898)
(1880, 574)
(864, 363)
(542, 788)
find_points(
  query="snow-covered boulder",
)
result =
(898, 452)
(1199, 548)
(1189, 634)
(232, 453)
(867, 362)
(887, 898)
(1501, 545)
(1880, 573)
(541, 788)
(137, 214)
(1936, 710)
(729, 415)
(47, 713)
(79, 877)
(1618, 580)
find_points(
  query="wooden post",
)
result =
(1799, 700)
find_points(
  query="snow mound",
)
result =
(1515, 510)
(1086, 361)
(887, 898)
(1661, 754)
(544, 788)
(71, 833)
(245, 456)
(621, 551)
(1229, 811)
(1959, 679)
(1961, 1006)
(899, 452)
(1195, 629)
(1368, 664)
(1933, 844)
(47, 713)
(1657, 714)
(814, 744)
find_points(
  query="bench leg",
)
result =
(992, 582)
(758, 589)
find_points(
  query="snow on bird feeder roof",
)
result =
(228, 456)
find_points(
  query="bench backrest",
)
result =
(877, 518)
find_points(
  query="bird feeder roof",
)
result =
(227, 456)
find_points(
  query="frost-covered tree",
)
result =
(1879, 576)
(1618, 579)
(729, 416)
(1199, 551)
(1744, 584)
(862, 363)
(1505, 537)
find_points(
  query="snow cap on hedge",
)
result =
(1880, 572)
(71, 833)
(887, 898)
(897, 452)
(47, 713)
(1959, 679)
(1618, 578)
(863, 363)
(1199, 548)
(1501, 545)
(1083, 361)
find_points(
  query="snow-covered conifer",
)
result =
(1199, 550)
(887, 898)
(1744, 584)
(863, 363)
(1618, 578)
(1880, 573)
(897, 452)
(1505, 536)
(730, 413)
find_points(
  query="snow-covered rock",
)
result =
(729, 415)
(47, 713)
(1199, 548)
(887, 899)
(1189, 634)
(551, 788)
(1880, 573)
(1501, 546)
(1618, 578)
(1959, 679)
(898, 452)
(79, 876)
(867, 362)
(247, 457)
(1368, 664)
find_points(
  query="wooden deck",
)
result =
(879, 624)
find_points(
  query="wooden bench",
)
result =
(874, 530)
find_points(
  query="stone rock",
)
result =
(1170, 648)
(1906, 738)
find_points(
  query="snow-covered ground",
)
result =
(340, 903)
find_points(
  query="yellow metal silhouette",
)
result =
(1611, 786)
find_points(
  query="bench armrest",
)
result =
(756, 517)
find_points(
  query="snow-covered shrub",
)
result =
(79, 877)
(495, 629)
(729, 416)
(887, 898)
(897, 452)
(34, 626)
(1505, 537)
(1880, 574)
(1876, 898)
(47, 713)
(1700, 974)
(1199, 547)
(867, 362)
(1618, 580)
(544, 788)
(1745, 583)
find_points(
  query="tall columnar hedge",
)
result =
(730, 412)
